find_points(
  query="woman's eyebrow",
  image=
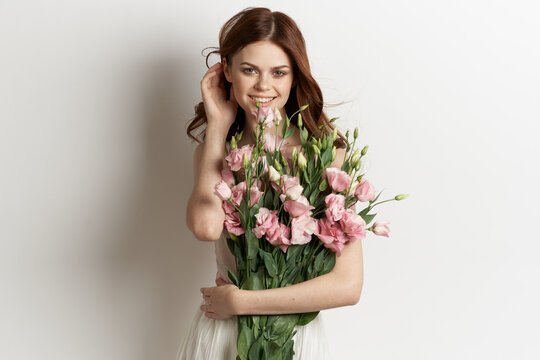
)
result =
(256, 67)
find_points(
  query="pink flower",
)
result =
(298, 207)
(228, 177)
(381, 228)
(331, 235)
(353, 226)
(335, 206)
(266, 114)
(237, 193)
(236, 157)
(365, 191)
(266, 222)
(222, 190)
(270, 142)
(285, 183)
(280, 237)
(302, 228)
(228, 207)
(233, 224)
(339, 180)
(255, 195)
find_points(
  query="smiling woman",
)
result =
(264, 59)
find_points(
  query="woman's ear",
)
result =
(226, 69)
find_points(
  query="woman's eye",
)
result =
(248, 70)
(280, 73)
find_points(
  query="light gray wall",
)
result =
(95, 259)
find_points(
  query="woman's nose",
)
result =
(263, 83)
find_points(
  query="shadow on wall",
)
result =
(157, 251)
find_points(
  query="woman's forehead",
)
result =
(265, 54)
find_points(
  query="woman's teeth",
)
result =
(262, 100)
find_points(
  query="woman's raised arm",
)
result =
(204, 214)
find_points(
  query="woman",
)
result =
(263, 57)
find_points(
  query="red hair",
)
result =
(257, 24)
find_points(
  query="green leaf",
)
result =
(327, 156)
(306, 177)
(368, 218)
(269, 262)
(255, 351)
(289, 133)
(245, 341)
(232, 276)
(306, 318)
(329, 262)
(252, 244)
(319, 261)
(255, 281)
(272, 351)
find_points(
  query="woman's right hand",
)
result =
(220, 112)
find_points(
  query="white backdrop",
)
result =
(96, 261)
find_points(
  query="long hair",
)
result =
(257, 24)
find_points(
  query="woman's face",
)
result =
(263, 71)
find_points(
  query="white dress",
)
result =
(211, 339)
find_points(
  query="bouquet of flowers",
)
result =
(288, 219)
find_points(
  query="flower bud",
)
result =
(357, 164)
(355, 132)
(347, 134)
(354, 158)
(381, 228)
(239, 136)
(285, 162)
(294, 151)
(293, 193)
(257, 103)
(277, 165)
(304, 107)
(277, 116)
(299, 120)
(302, 163)
(316, 149)
(364, 150)
(333, 153)
(273, 174)
(233, 143)
(401, 197)
(245, 161)
(334, 134)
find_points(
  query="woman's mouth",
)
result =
(263, 101)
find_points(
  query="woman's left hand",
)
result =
(221, 300)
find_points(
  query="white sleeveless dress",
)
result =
(211, 339)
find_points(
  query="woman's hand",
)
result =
(220, 112)
(221, 300)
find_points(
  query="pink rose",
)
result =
(353, 226)
(335, 206)
(236, 157)
(339, 180)
(331, 235)
(381, 228)
(298, 207)
(365, 191)
(302, 228)
(266, 222)
(237, 193)
(270, 142)
(222, 190)
(228, 177)
(233, 224)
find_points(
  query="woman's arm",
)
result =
(340, 287)
(204, 215)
